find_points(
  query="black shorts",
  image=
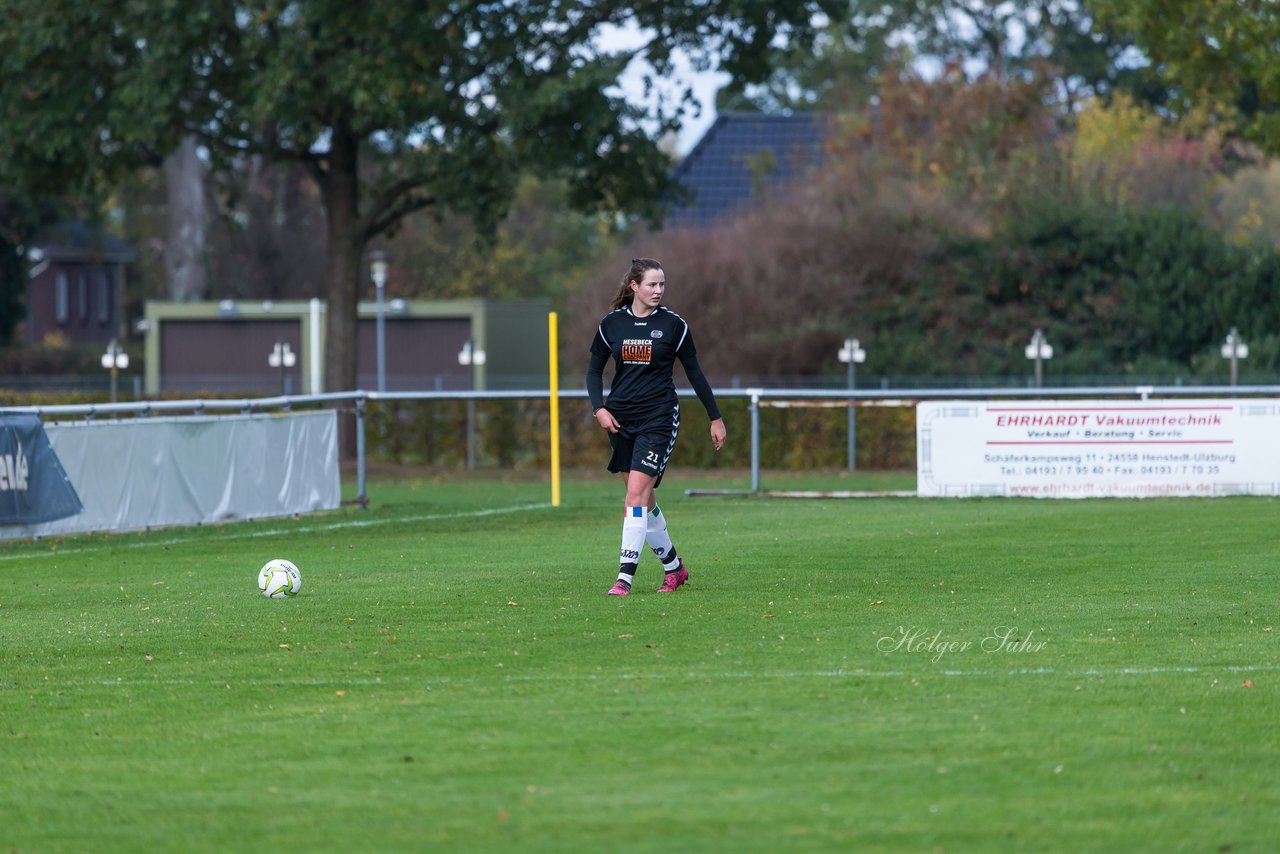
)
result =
(646, 445)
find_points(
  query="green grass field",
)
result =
(880, 674)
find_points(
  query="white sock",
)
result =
(633, 530)
(660, 541)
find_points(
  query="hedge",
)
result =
(515, 434)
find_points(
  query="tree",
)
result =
(17, 225)
(848, 54)
(951, 221)
(184, 245)
(1124, 154)
(537, 249)
(1217, 55)
(22, 219)
(392, 107)
(267, 227)
(1008, 41)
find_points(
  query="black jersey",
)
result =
(644, 351)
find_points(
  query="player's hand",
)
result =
(717, 433)
(606, 420)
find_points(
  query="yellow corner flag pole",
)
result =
(552, 349)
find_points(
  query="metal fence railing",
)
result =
(130, 384)
(757, 398)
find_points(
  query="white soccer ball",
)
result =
(279, 579)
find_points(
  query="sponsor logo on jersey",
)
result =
(657, 333)
(637, 351)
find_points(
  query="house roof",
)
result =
(740, 154)
(76, 240)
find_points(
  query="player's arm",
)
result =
(595, 385)
(702, 388)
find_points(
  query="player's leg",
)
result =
(658, 539)
(634, 525)
(655, 445)
(623, 445)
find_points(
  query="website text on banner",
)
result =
(1098, 448)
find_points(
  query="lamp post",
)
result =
(1235, 349)
(378, 260)
(471, 355)
(852, 355)
(1039, 350)
(115, 360)
(39, 263)
(282, 357)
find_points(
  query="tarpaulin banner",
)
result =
(33, 485)
(1098, 448)
(150, 472)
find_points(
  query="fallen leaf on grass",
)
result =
(1248, 683)
(627, 635)
(768, 616)
(340, 693)
(878, 602)
(513, 603)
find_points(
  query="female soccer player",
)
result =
(644, 339)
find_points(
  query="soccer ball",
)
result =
(279, 579)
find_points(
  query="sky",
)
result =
(705, 84)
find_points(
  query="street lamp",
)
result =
(467, 356)
(852, 355)
(115, 360)
(378, 260)
(1039, 349)
(282, 357)
(39, 263)
(470, 354)
(1235, 349)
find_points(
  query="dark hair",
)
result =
(639, 266)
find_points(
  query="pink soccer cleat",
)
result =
(674, 579)
(620, 588)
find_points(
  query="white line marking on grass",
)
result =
(1074, 673)
(311, 529)
(893, 674)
